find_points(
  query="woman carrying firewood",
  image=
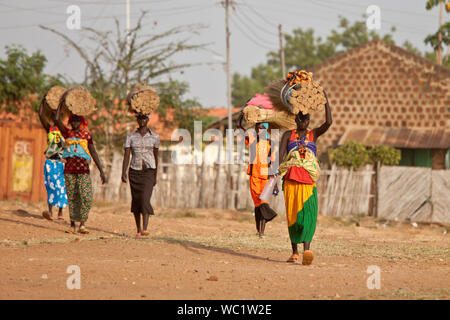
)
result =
(300, 171)
(53, 167)
(260, 158)
(142, 147)
(78, 153)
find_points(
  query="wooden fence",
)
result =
(418, 194)
(341, 191)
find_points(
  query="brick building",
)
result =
(382, 94)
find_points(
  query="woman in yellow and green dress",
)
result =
(300, 171)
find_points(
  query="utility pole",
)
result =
(229, 133)
(283, 66)
(439, 50)
(128, 26)
(227, 32)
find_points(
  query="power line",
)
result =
(257, 25)
(249, 37)
(267, 21)
(248, 28)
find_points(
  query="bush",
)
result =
(352, 154)
(386, 155)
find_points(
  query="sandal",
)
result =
(61, 218)
(47, 215)
(308, 257)
(71, 231)
(293, 258)
(145, 233)
(83, 230)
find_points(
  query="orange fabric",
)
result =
(256, 188)
(259, 169)
(297, 174)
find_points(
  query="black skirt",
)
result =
(264, 211)
(141, 183)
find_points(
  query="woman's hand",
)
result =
(275, 190)
(124, 177)
(103, 177)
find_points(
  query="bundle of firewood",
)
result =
(275, 118)
(143, 99)
(307, 97)
(53, 96)
(50, 102)
(297, 93)
(78, 101)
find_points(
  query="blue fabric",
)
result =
(75, 150)
(54, 183)
(266, 125)
(295, 144)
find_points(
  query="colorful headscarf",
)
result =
(298, 76)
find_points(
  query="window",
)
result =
(416, 158)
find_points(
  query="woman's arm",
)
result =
(59, 122)
(328, 120)
(125, 164)
(94, 155)
(284, 144)
(155, 154)
(44, 121)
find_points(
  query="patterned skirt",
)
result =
(301, 210)
(79, 192)
(55, 184)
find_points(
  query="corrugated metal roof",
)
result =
(437, 138)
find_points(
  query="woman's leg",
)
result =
(257, 219)
(60, 212)
(262, 226)
(294, 248)
(85, 196)
(70, 182)
(145, 217)
(137, 219)
(306, 245)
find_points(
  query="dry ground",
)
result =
(215, 254)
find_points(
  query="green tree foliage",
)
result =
(440, 37)
(117, 60)
(352, 154)
(21, 75)
(385, 155)
(302, 50)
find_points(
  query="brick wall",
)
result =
(384, 86)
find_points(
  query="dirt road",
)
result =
(215, 254)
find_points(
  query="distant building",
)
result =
(382, 94)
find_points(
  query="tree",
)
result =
(385, 155)
(442, 35)
(352, 154)
(22, 75)
(120, 60)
